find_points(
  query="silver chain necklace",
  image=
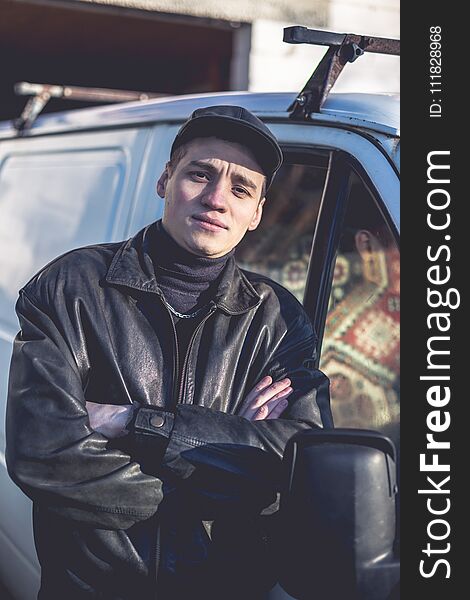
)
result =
(181, 315)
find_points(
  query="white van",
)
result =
(329, 234)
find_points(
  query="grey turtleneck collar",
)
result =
(187, 281)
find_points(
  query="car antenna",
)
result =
(343, 48)
(41, 93)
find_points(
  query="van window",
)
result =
(52, 202)
(360, 351)
(280, 246)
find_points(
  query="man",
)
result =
(154, 386)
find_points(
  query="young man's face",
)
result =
(214, 180)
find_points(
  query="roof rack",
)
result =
(343, 48)
(41, 94)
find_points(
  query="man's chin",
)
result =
(206, 246)
(205, 252)
(205, 249)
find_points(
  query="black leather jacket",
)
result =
(173, 509)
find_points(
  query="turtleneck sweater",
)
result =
(188, 281)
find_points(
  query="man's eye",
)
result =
(200, 175)
(240, 191)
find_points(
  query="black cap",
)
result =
(234, 124)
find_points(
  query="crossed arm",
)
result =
(266, 400)
(57, 455)
(218, 486)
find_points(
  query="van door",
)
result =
(361, 341)
(351, 286)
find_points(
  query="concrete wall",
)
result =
(308, 11)
(277, 66)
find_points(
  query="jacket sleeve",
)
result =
(228, 457)
(52, 453)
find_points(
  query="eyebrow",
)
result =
(238, 177)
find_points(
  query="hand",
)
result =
(266, 400)
(109, 419)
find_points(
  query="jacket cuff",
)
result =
(153, 421)
(149, 433)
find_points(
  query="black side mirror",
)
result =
(338, 516)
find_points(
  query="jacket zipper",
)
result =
(157, 554)
(188, 352)
(157, 548)
(177, 395)
(176, 361)
(176, 400)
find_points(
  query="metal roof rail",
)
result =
(343, 48)
(41, 94)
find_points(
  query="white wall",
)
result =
(277, 66)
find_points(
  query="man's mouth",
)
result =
(209, 223)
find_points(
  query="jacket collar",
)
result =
(132, 266)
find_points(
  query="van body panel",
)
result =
(375, 113)
(147, 206)
(56, 193)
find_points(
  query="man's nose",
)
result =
(215, 196)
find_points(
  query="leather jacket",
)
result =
(172, 510)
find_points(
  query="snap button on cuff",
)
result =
(157, 420)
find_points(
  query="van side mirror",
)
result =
(338, 519)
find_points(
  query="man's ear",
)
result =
(257, 216)
(372, 257)
(163, 181)
(363, 239)
(367, 243)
